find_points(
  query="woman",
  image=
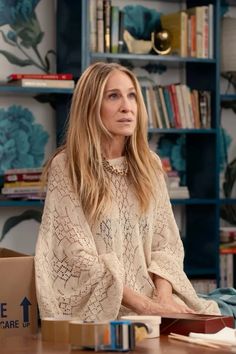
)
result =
(108, 243)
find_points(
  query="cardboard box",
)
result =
(18, 304)
(186, 323)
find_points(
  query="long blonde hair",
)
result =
(84, 136)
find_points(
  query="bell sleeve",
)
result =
(72, 279)
(167, 253)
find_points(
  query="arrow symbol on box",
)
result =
(25, 304)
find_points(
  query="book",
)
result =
(201, 15)
(23, 184)
(22, 177)
(114, 28)
(14, 76)
(121, 43)
(173, 95)
(93, 25)
(23, 190)
(163, 105)
(210, 31)
(161, 118)
(176, 23)
(70, 84)
(107, 25)
(180, 104)
(23, 170)
(100, 26)
(169, 107)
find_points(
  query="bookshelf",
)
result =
(202, 209)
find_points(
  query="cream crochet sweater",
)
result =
(81, 269)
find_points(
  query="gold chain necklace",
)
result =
(107, 166)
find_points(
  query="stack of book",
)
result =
(23, 183)
(191, 31)
(176, 106)
(62, 81)
(106, 27)
(176, 191)
(227, 256)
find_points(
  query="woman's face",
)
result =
(119, 105)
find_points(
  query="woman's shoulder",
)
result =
(58, 162)
(156, 160)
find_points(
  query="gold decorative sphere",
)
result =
(161, 42)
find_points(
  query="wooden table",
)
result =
(162, 345)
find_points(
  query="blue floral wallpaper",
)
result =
(22, 140)
(24, 34)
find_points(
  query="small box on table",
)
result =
(186, 323)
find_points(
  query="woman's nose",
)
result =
(125, 104)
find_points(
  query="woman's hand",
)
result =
(143, 305)
(164, 297)
(170, 305)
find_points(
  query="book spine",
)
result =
(159, 107)
(155, 113)
(180, 105)
(121, 43)
(172, 89)
(100, 27)
(163, 105)
(149, 108)
(211, 31)
(107, 25)
(205, 32)
(114, 29)
(169, 107)
(13, 77)
(183, 34)
(193, 36)
(22, 177)
(93, 25)
(23, 170)
(22, 190)
(23, 184)
(70, 84)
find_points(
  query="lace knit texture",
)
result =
(81, 269)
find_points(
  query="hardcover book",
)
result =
(14, 76)
(176, 24)
(186, 323)
(70, 84)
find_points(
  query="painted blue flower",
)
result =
(24, 33)
(174, 149)
(16, 11)
(22, 141)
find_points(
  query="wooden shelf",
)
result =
(32, 90)
(21, 203)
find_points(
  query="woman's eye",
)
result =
(113, 96)
(132, 95)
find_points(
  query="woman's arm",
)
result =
(163, 295)
(72, 279)
(162, 303)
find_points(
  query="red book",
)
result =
(172, 90)
(22, 177)
(13, 77)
